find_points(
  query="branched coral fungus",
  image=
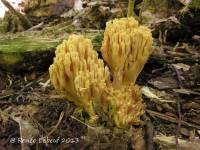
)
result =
(85, 80)
(78, 72)
(126, 48)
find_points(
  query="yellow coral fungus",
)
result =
(123, 105)
(126, 48)
(78, 72)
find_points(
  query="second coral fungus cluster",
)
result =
(86, 80)
(126, 48)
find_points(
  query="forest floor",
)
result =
(33, 116)
(30, 108)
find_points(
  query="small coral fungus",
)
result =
(85, 80)
(124, 106)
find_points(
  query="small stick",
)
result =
(171, 119)
(58, 123)
(149, 132)
(82, 122)
(179, 123)
(131, 4)
(5, 96)
(178, 108)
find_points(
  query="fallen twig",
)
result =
(178, 107)
(149, 132)
(82, 122)
(5, 96)
(179, 123)
(58, 123)
(171, 119)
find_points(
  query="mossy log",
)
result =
(31, 51)
(26, 53)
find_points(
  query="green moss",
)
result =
(3, 27)
(24, 44)
(10, 59)
(97, 40)
(195, 4)
(26, 53)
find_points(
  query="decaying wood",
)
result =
(180, 28)
(171, 119)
